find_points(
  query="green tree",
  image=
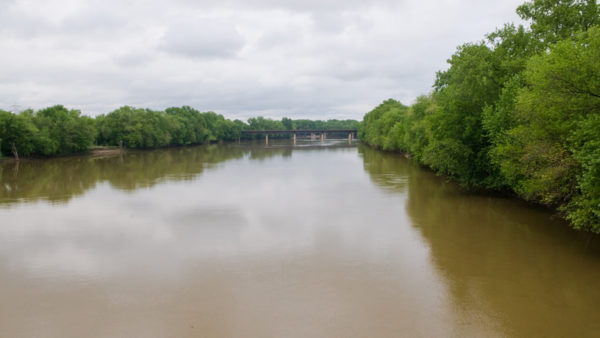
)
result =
(555, 20)
(458, 145)
(550, 153)
(288, 123)
(378, 123)
(63, 131)
(517, 111)
(18, 134)
(417, 135)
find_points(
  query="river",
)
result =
(243, 240)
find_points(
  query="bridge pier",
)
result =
(350, 138)
(314, 133)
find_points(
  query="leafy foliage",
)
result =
(58, 131)
(519, 111)
(555, 20)
(145, 128)
(51, 131)
(551, 153)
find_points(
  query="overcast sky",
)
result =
(314, 59)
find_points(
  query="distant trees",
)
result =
(519, 111)
(288, 123)
(303, 124)
(59, 131)
(62, 131)
(145, 128)
(51, 131)
(261, 123)
(17, 133)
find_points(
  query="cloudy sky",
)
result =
(296, 58)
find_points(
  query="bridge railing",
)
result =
(299, 131)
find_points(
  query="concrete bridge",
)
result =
(312, 132)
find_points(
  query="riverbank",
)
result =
(482, 191)
(96, 151)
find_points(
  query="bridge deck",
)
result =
(303, 131)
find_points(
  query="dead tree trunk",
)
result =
(14, 150)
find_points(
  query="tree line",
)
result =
(518, 111)
(60, 131)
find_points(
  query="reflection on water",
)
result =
(503, 261)
(254, 241)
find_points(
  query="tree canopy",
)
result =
(59, 131)
(518, 112)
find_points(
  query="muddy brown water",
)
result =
(279, 241)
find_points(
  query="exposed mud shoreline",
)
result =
(96, 152)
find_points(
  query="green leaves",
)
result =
(555, 20)
(51, 131)
(63, 131)
(378, 124)
(519, 111)
(57, 131)
(18, 131)
(145, 128)
(458, 144)
(537, 154)
(584, 209)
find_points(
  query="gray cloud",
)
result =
(295, 5)
(202, 39)
(93, 21)
(133, 59)
(309, 59)
(278, 38)
(22, 25)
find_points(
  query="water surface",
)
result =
(254, 241)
